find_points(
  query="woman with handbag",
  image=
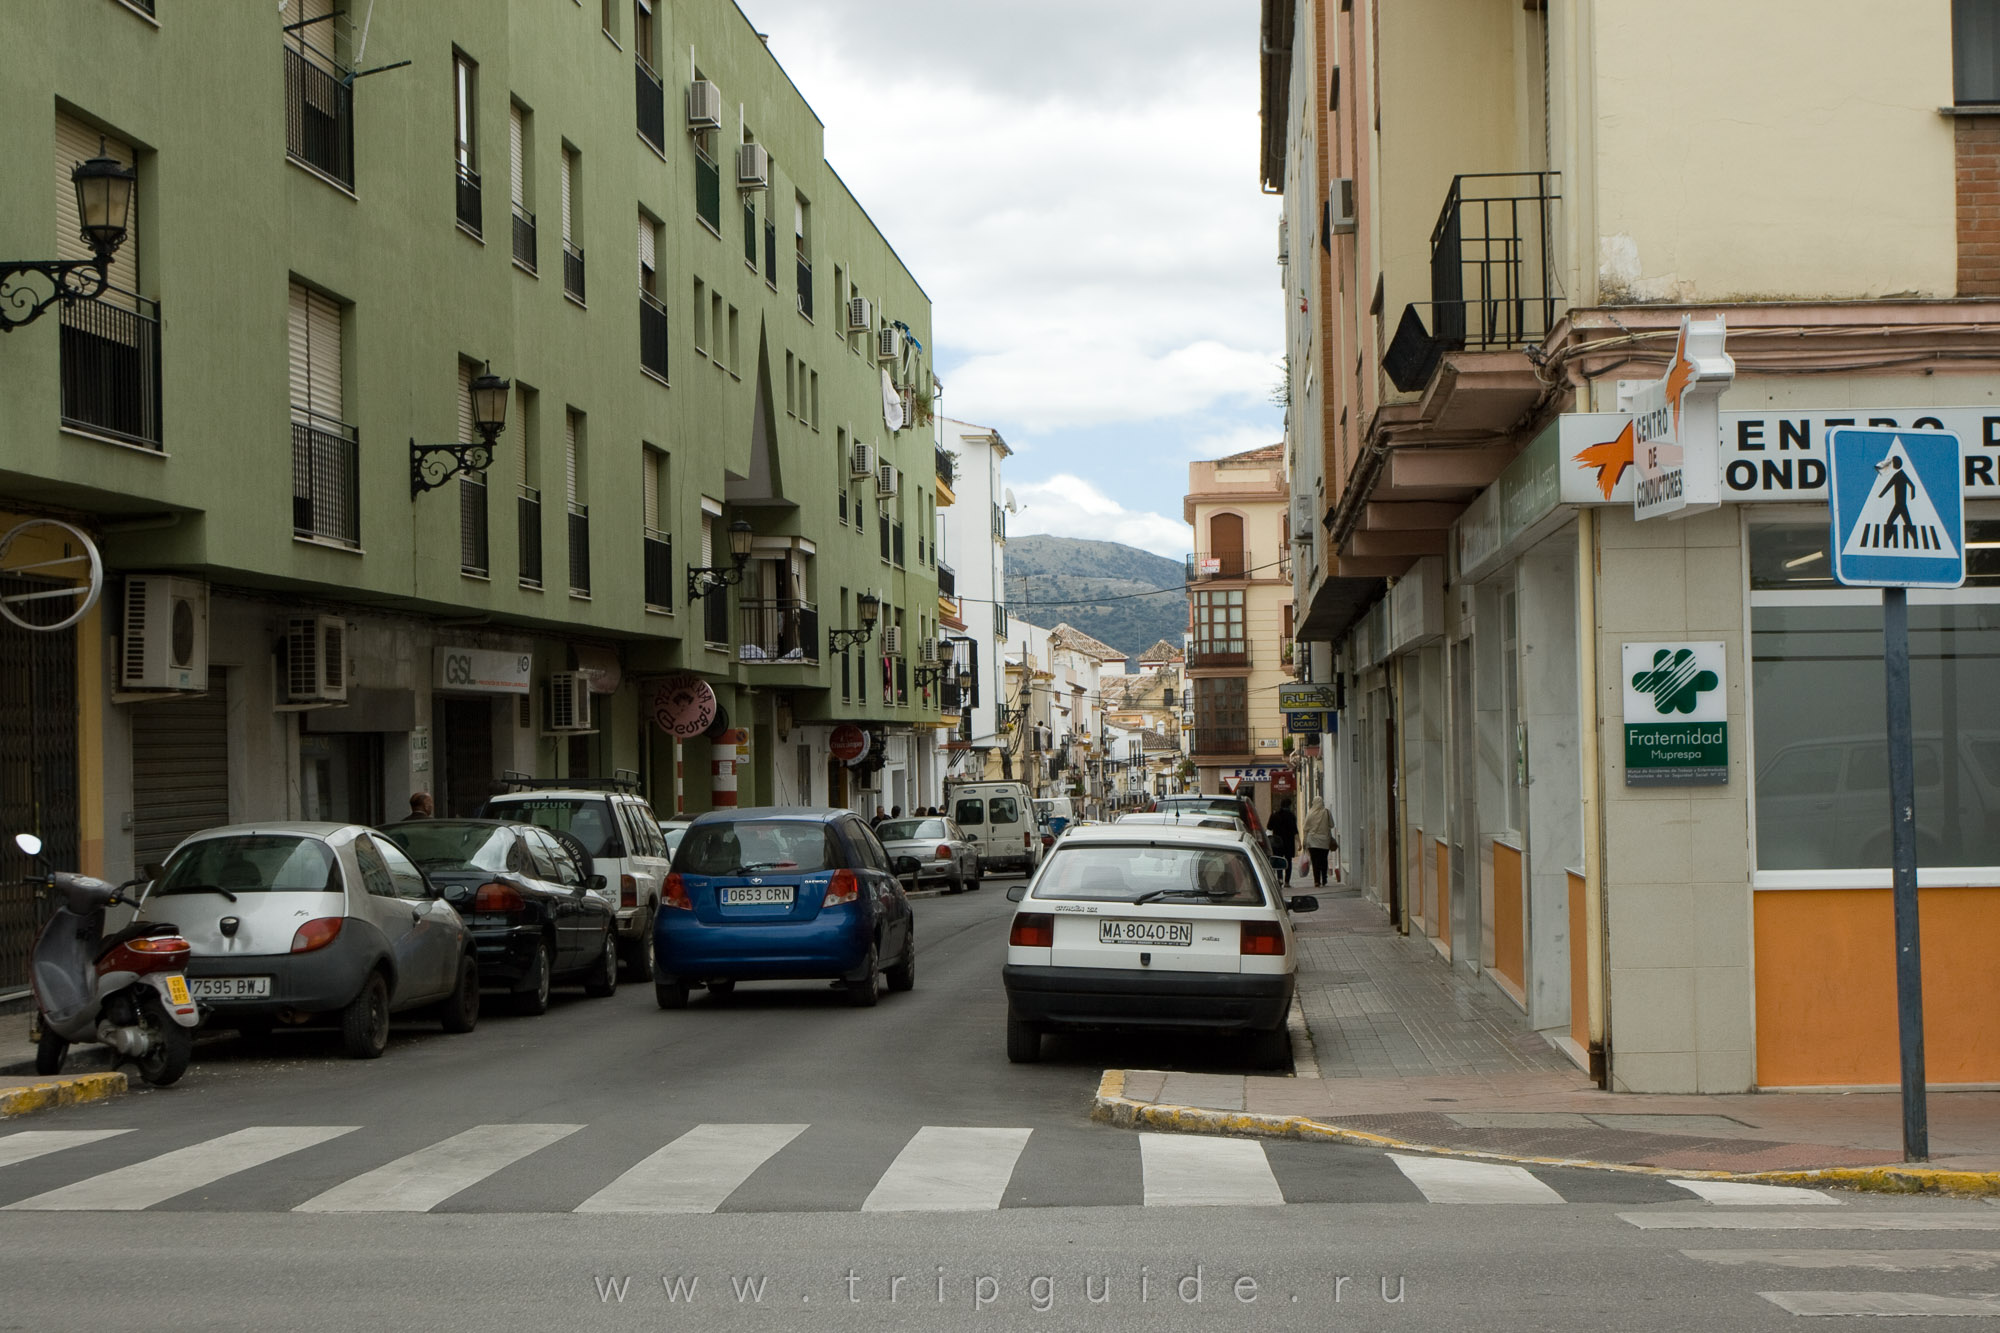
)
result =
(1319, 840)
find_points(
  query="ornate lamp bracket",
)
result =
(432, 465)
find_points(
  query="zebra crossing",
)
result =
(709, 1168)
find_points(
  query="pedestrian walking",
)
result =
(420, 805)
(880, 815)
(1320, 841)
(1285, 836)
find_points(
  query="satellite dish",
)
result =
(1010, 506)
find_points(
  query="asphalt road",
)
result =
(840, 1168)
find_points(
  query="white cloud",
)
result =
(1068, 506)
(1236, 440)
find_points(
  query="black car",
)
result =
(536, 912)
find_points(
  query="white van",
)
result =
(999, 820)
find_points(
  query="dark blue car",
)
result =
(782, 893)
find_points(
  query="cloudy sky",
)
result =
(1074, 182)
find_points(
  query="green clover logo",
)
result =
(1674, 682)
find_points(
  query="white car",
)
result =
(1153, 926)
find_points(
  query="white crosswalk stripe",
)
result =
(424, 1179)
(1455, 1180)
(949, 1170)
(695, 1173)
(1844, 1220)
(1883, 1261)
(1741, 1193)
(1183, 1170)
(33, 1143)
(157, 1179)
(1881, 1303)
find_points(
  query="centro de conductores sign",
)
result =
(1676, 715)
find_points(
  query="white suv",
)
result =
(622, 835)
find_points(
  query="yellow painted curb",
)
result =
(72, 1091)
(1113, 1107)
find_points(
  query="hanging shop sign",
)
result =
(1308, 698)
(682, 705)
(480, 671)
(1677, 431)
(1676, 714)
(1307, 724)
(847, 743)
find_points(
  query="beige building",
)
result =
(1495, 213)
(1240, 618)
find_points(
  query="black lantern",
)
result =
(103, 200)
(869, 607)
(705, 579)
(432, 465)
(103, 209)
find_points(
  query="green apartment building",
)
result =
(344, 215)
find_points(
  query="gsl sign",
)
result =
(481, 671)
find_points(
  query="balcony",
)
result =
(707, 191)
(111, 367)
(653, 336)
(805, 288)
(652, 107)
(777, 631)
(473, 553)
(528, 523)
(319, 118)
(573, 272)
(1204, 566)
(715, 617)
(947, 580)
(579, 550)
(524, 238)
(1218, 653)
(883, 529)
(771, 254)
(896, 545)
(326, 480)
(659, 570)
(750, 231)
(1492, 289)
(471, 215)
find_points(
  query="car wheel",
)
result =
(533, 996)
(1271, 1050)
(50, 1052)
(863, 993)
(639, 958)
(602, 980)
(902, 974)
(1024, 1041)
(957, 884)
(364, 1023)
(669, 993)
(460, 1010)
(169, 1045)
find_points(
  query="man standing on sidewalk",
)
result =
(1285, 836)
(1319, 839)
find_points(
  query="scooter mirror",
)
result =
(29, 844)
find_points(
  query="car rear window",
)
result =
(252, 863)
(441, 844)
(753, 846)
(587, 819)
(893, 830)
(970, 810)
(1005, 809)
(1127, 873)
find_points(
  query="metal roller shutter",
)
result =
(77, 142)
(180, 770)
(516, 154)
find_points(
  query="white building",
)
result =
(972, 587)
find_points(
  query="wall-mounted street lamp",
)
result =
(705, 579)
(870, 608)
(932, 674)
(432, 465)
(103, 207)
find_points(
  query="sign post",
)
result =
(1677, 428)
(1899, 523)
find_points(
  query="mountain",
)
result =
(1090, 585)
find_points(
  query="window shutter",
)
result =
(315, 39)
(77, 142)
(646, 243)
(568, 159)
(521, 437)
(650, 479)
(569, 457)
(708, 541)
(466, 430)
(516, 135)
(324, 356)
(301, 352)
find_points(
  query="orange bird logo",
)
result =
(1610, 458)
(1680, 374)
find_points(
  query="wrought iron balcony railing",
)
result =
(771, 254)
(780, 630)
(471, 213)
(579, 550)
(524, 238)
(528, 525)
(659, 569)
(653, 334)
(708, 191)
(319, 118)
(110, 350)
(473, 552)
(326, 478)
(947, 470)
(652, 107)
(573, 272)
(805, 288)
(1205, 565)
(1219, 653)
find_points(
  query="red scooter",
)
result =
(126, 990)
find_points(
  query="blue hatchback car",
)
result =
(781, 893)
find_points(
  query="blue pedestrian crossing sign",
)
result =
(1898, 510)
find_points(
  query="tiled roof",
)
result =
(1162, 652)
(1268, 453)
(1068, 636)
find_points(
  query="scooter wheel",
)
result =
(170, 1048)
(50, 1052)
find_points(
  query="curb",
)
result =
(73, 1091)
(90, 1058)
(1112, 1107)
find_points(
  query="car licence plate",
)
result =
(177, 988)
(229, 988)
(1171, 933)
(746, 894)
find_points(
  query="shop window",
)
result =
(1975, 51)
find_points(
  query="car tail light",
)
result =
(943, 852)
(1024, 841)
(844, 887)
(677, 893)
(1263, 937)
(316, 934)
(628, 890)
(158, 944)
(495, 897)
(1033, 930)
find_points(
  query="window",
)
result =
(517, 158)
(574, 480)
(814, 400)
(319, 102)
(735, 350)
(715, 323)
(791, 386)
(802, 245)
(653, 347)
(1975, 52)
(658, 548)
(1225, 545)
(749, 221)
(464, 73)
(1221, 715)
(707, 176)
(840, 458)
(110, 344)
(1218, 623)
(472, 528)
(325, 456)
(700, 317)
(645, 39)
(608, 19)
(527, 476)
(572, 223)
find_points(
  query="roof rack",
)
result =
(621, 779)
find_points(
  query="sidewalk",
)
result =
(1412, 1052)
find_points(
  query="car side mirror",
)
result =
(1305, 902)
(904, 865)
(1018, 892)
(596, 883)
(1278, 862)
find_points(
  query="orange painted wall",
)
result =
(1579, 966)
(1507, 914)
(1444, 895)
(1826, 986)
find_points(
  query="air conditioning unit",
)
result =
(927, 652)
(889, 345)
(860, 315)
(863, 462)
(165, 644)
(704, 105)
(753, 167)
(1284, 241)
(568, 701)
(892, 640)
(1340, 206)
(315, 660)
(1302, 520)
(1187, 717)
(887, 481)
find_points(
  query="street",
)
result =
(843, 1168)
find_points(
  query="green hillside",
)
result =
(1091, 585)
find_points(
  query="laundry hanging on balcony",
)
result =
(892, 404)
